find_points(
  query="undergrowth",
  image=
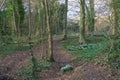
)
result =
(114, 55)
(27, 72)
(8, 49)
(10, 46)
(88, 50)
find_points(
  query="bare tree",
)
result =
(82, 22)
(50, 43)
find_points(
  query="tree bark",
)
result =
(92, 16)
(50, 43)
(82, 22)
(116, 19)
(65, 26)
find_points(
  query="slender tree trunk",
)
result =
(92, 15)
(50, 43)
(88, 20)
(13, 16)
(116, 12)
(82, 22)
(18, 24)
(29, 18)
(33, 60)
(116, 19)
(65, 26)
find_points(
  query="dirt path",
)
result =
(61, 55)
(11, 64)
(91, 72)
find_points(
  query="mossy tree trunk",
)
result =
(65, 24)
(50, 42)
(88, 20)
(92, 16)
(116, 13)
(82, 22)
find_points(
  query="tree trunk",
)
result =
(65, 27)
(50, 43)
(88, 20)
(116, 19)
(92, 15)
(82, 22)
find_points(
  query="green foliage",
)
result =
(57, 16)
(71, 41)
(21, 10)
(9, 45)
(95, 38)
(84, 47)
(6, 39)
(87, 51)
(27, 73)
(9, 9)
(61, 15)
(9, 12)
(114, 56)
(4, 28)
(114, 59)
(8, 49)
(116, 3)
(67, 68)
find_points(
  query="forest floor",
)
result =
(11, 64)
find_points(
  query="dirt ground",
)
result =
(88, 71)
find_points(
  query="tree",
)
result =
(33, 59)
(116, 11)
(61, 16)
(65, 27)
(9, 11)
(53, 15)
(15, 16)
(88, 20)
(82, 22)
(92, 16)
(19, 15)
(50, 43)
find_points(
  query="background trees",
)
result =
(14, 19)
